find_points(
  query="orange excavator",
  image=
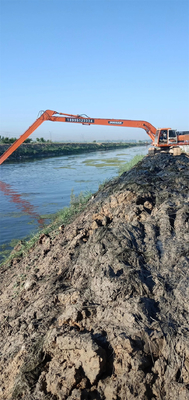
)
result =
(162, 139)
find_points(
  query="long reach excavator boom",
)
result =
(163, 138)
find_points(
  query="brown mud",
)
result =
(99, 311)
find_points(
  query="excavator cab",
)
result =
(163, 136)
(167, 137)
(172, 136)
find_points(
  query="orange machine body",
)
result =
(163, 138)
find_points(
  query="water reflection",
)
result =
(24, 205)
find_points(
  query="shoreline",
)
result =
(63, 216)
(44, 150)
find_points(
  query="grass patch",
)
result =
(77, 204)
(101, 162)
(66, 167)
(64, 216)
(127, 166)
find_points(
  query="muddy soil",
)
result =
(99, 311)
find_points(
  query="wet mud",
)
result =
(99, 311)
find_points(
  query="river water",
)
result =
(30, 191)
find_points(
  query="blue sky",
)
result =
(108, 59)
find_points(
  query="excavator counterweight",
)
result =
(162, 138)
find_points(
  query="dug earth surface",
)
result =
(99, 309)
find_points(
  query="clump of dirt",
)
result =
(100, 311)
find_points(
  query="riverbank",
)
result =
(98, 309)
(41, 150)
(18, 247)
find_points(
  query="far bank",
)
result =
(41, 150)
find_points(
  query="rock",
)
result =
(94, 225)
(61, 228)
(75, 358)
(30, 282)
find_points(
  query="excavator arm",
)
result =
(50, 115)
(25, 135)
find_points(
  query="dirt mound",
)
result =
(100, 310)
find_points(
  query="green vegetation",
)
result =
(67, 214)
(41, 140)
(62, 217)
(124, 168)
(108, 162)
(42, 148)
(7, 140)
(127, 166)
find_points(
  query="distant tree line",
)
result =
(42, 140)
(8, 140)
